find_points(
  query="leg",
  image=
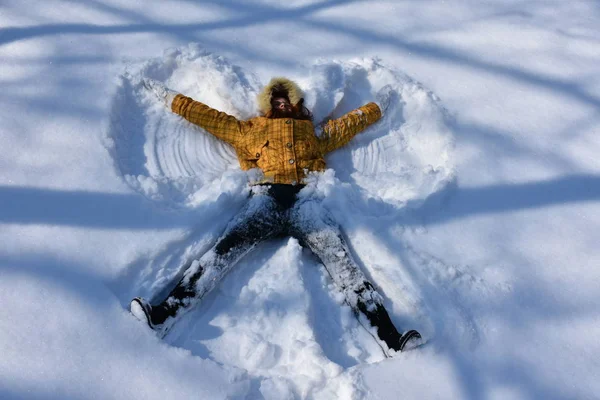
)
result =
(259, 220)
(315, 228)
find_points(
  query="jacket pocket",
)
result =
(258, 152)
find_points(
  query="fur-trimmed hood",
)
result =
(279, 85)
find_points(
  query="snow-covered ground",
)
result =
(474, 205)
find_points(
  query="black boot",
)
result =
(409, 340)
(142, 310)
(154, 316)
(387, 332)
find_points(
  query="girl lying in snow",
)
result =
(283, 145)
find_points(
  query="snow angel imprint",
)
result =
(283, 145)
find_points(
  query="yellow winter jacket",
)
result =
(285, 149)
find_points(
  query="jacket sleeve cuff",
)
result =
(170, 97)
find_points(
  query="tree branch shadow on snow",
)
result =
(39, 206)
(60, 276)
(454, 202)
(463, 59)
(21, 205)
(155, 274)
(257, 14)
(503, 145)
(325, 315)
(254, 14)
(30, 96)
(56, 271)
(99, 210)
(449, 301)
(443, 308)
(459, 202)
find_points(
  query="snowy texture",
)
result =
(474, 205)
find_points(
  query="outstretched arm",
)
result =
(219, 124)
(222, 125)
(338, 132)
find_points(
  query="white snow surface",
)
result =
(473, 205)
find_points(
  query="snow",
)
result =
(473, 206)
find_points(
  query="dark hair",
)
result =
(299, 111)
(304, 113)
